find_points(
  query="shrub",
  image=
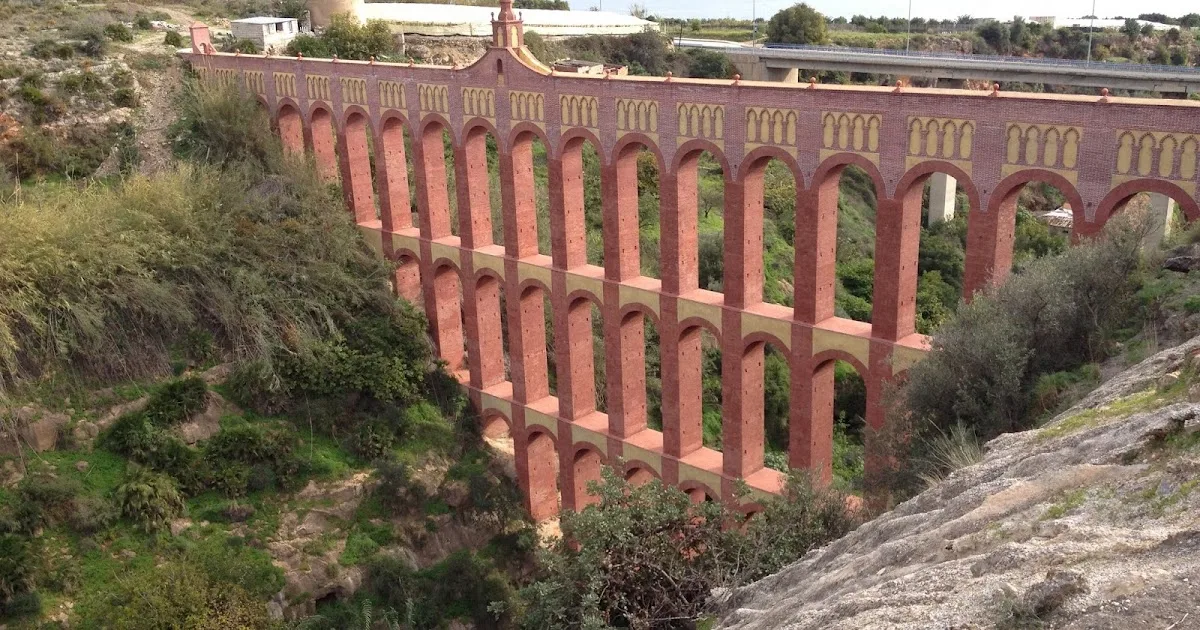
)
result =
(85, 82)
(1057, 314)
(122, 79)
(125, 97)
(118, 32)
(397, 490)
(151, 500)
(176, 401)
(142, 22)
(173, 39)
(151, 259)
(17, 569)
(45, 500)
(175, 594)
(648, 553)
(372, 440)
(93, 41)
(48, 48)
(233, 452)
(348, 39)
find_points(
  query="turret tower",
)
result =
(508, 31)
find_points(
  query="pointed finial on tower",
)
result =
(508, 30)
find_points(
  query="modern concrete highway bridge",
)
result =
(783, 63)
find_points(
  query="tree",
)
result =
(798, 24)
(347, 39)
(995, 35)
(1132, 29)
(1147, 30)
(1191, 20)
(709, 64)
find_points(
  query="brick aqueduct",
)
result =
(1099, 151)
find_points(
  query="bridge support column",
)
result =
(395, 212)
(1162, 208)
(810, 432)
(942, 195)
(320, 137)
(897, 239)
(291, 130)
(990, 237)
(783, 75)
(355, 162)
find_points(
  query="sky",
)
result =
(940, 9)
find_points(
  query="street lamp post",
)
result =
(754, 20)
(1091, 30)
(908, 33)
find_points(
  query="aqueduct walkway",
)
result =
(1098, 151)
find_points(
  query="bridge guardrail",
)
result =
(1102, 65)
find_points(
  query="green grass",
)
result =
(857, 39)
(1069, 502)
(1148, 400)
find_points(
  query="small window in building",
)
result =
(279, 27)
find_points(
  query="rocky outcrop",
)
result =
(32, 428)
(1092, 521)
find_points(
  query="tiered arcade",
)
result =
(1099, 151)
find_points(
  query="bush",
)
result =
(647, 554)
(397, 490)
(1057, 314)
(373, 440)
(118, 32)
(348, 39)
(174, 594)
(142, 22)
(237, 450)
(93, 41)
(151, 500)
(47, 48)
(85, 82)
(45, 500)
(125, 97)
(17, 569)
(173, 39)
(176, 402)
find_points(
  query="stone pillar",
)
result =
(990, 245)
(395, 210)
(291, 130)
(942, 189)
(568, 239)
(321, 138)
(201, 38)
(355, 162)
(1162, 208)
(520, 204)
(897, 239)
(783, 75)
(810, 433)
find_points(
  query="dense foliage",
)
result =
(797, 24)
(347, 38)
(990, 363)
(649, 557)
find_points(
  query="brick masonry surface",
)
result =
(1099, 151)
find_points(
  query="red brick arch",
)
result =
(761, 156)
(915, 178)
(1116, 198)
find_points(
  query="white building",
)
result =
(267, 32)
(469, 21)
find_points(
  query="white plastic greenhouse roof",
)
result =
(458, 20)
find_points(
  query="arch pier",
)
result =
(393, 133)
